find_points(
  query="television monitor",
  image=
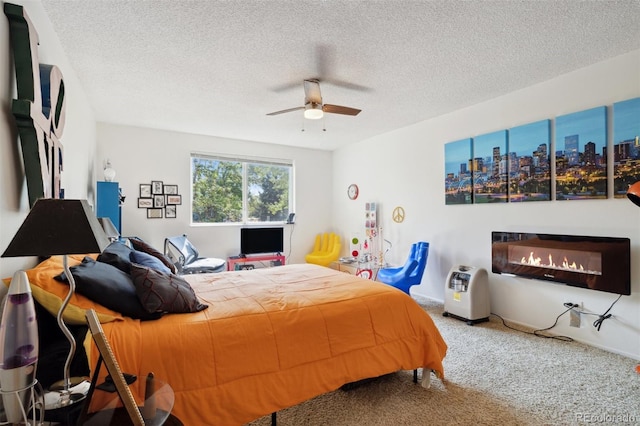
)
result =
(261, 240)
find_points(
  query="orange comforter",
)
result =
(272, 338)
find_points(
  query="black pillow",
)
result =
(108, 286)
(161, 292)
(117, 254)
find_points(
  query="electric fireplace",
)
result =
(597, 263)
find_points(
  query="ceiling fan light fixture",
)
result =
(313, 111)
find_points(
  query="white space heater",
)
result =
(466, 294)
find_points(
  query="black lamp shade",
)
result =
(58, 226)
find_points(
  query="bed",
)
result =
(269, 339)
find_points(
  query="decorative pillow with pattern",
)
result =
(161, 292)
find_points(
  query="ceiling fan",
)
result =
(313, 106)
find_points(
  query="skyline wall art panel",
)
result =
(581, 155)
(489, 166)
(457, 181)
(626, 145)
(529, 162)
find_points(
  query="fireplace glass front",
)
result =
(598, 263)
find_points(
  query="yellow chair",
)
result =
(325, 250)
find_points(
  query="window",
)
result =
(233, 190)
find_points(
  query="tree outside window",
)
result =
(239, 191)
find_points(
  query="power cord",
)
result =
(290, 239)
(537, 332)
(598, 322)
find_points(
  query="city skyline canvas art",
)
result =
(529, 162)
(626, 145)
(457, 182)
(581, 155)
(489, 167)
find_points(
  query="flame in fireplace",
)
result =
(534, 260)
(537, 261)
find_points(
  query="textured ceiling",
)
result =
(218, 67)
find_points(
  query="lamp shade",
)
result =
(633, 193)
(109, 228)
(58, 226)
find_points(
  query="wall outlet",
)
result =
(575, 315)
(575, 318)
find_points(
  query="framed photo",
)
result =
(145, 190)
(174, 199)
(154, 213)
(171, 189)
(170, 211)
(145, 203)
(156, 187)
(158, 201)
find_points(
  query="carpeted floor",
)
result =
(493, 376)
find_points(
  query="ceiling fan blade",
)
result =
(337, 109)
(312, 92)
(286, 110)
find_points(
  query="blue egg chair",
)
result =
(411, 273)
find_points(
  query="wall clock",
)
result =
(352, 191)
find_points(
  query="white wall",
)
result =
(141, 155)
(78, 138)
(406, 168)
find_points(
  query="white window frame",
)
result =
(245, 160)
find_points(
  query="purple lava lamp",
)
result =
(18, 348)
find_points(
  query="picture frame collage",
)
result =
(519, 164)
(159, 199)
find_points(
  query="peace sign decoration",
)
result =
(398, 215)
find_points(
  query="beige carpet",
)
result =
(494, 376)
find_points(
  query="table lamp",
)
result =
(18, 348)
(109, 229)
(60, 227)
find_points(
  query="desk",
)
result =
(367, 270)
(236, 263)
